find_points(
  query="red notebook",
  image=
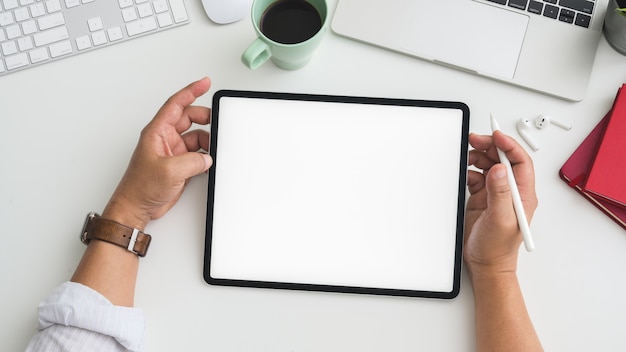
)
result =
(607, 174)
(576, 168)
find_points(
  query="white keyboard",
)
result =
(34, 32)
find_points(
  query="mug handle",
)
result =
(256, 54)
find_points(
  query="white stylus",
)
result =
(517, 200)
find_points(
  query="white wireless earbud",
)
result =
(542, 121)
(523, 126)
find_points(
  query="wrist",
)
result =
(487, 273)
(123, 212)
(491, 288)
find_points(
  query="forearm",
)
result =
(502, 320)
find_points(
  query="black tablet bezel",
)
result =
(338, 99)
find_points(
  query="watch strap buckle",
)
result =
(131, 242)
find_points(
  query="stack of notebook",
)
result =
(597, 169)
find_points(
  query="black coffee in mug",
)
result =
(290, 21)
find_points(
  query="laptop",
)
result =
(548, 46)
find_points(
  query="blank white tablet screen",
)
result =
(341, 194)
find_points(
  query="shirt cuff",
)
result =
(74, 304)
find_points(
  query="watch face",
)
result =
(83, 233)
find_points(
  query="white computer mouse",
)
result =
(226, 11)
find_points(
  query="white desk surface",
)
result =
(69, 127)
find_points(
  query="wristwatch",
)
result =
(113, 232)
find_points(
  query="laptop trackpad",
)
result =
(466, 34)
(490, 43)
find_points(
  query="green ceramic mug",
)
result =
(288, 32)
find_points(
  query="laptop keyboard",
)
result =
(576, 12)
(35, 32)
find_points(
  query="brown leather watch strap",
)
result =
(115, 233)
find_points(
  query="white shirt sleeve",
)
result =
(77, 318)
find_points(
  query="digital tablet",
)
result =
(336, 193)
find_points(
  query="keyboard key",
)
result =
(50, 36)
(83, 42)
(6, 18)
(9, 48)
(164, 20)
(535, 7)
(567, 16)
(29, 27)
(54, 20)
(10, 4)
(13, 31)
(25, 43)
(125, 3)
(551, 11)
(38, 55)
(72, 3)
(129, 14)
(501, 2)
(582, 20)
(178, 11)
(518, 4)
(160, 6)
(60, 48)
(144, 10)
(21, 14)
(53, 6)
(115, 33)
(16, 61)
(98, 38)
(95, 24)
(578, 5)
(37, 10)
(141, 26)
